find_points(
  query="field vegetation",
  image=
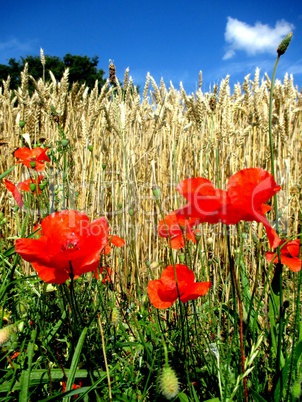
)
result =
(120, 154)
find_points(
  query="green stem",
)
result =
(279, 278)
(271, 142)
(240, 310)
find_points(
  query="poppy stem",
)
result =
(73, 302)
(240, 308)
(105, 356)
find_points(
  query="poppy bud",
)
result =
(104, 166)
(32, 187)
(210, 241)
(21, 123)
(284, 44)
(181, 258)
(168, 383)
(65, 142)
(32, 164)
(42, 185)
(197, 235)
(90, 148)
(156, 192)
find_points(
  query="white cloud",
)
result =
(259, 38)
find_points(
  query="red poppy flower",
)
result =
(105, 272)
(26, 184)
(74, 386)
(15, 355)
(69, 246)
(164, 291)
(289, 255)
(177, 230)
(32, 158)
(15, 192)
(111, 239)
(245, 197)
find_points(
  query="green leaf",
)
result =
(283, 379)
(7, 172)
(75, 361)
(25, 375)
(183, 397)
(256, 396)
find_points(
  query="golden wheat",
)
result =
(158, 138)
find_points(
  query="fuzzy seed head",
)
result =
(115, 316)
(168, 383)
(5, 334)
(296, 389)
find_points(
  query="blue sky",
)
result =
(170, 39)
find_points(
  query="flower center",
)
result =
(70, 246)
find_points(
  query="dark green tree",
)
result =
(13, 70)
(82, 69)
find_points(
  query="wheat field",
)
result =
(125, 143)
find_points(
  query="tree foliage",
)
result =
(82, 69)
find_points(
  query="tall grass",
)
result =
(109, 150)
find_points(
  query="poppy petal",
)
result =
(293, 263)
(156, 298)
(196, 185)
(204, 200)
(293, 247)
(248, 190)
(51, 275)
(177, 242)
(15, 192)
(35, 250)
(117, 241)
(183, 273)
(68, 243)
(195, 290)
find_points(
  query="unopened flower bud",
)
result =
(284, 44)
(32, 187)
(168, 383)
(210, 241)
(65, 142)
(197, 235)
(6, 333)
(181, 258)
(32, 164)
(156, 192)
(21, 123)
(115, 316)
(42, 185)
